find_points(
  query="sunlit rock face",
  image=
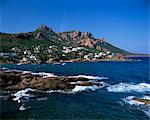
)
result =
(43, 28)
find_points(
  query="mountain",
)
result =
(45, 36)
(87, 39)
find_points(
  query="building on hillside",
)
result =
(27, 52)
(15, 49)
(7, 55)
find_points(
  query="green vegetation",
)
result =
(43, 44)
(113, 48)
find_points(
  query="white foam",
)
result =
(74, 83)
(40, 73)
(56, 91)
(57, 63)
(22, 93)
(19, 63)
(89, 77)
(4, 68)
(140, 105)
(130, 101)
(146, 97)
(63, 64)
(22, 108)
(79, 88)
(24, 72)
(45, 74)
(83, 88)
(125, 87)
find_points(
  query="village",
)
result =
(39, 54)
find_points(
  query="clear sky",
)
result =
(123, 23)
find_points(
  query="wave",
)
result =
(84, 88)
(79, 88)
(139, 104)
(89, 77)
(4, 68)
(56, 91)
(22, 95)
(25, 72)
(125, 87)
(45, 74)
(22, 107)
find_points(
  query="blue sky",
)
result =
(123, 23)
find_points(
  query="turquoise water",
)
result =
(103, 104)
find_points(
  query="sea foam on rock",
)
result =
(84, 88)
(93, 87)
(16, 80)
(142, 103)
(22, 93)
(89, 77)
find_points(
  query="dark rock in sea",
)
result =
(86, 83)
(13, 80)
(142, 100)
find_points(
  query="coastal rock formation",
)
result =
(18, 80)
(84, 39)
(85, 83)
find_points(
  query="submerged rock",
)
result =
(142, 100)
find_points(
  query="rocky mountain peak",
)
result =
(76, 34)
(43, 28)
(41, 32)
(87, 35)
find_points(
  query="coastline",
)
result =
(18, 80)
(138, 55)
(67, 61)
(31, 86)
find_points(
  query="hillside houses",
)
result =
(56, 53)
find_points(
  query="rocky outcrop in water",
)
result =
(142, 100)
(18, 80)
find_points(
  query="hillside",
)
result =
(47, 42)
(87, 39)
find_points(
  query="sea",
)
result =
(124, 80)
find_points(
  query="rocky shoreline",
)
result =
(16, 80)
(19, 80)
(66, 61)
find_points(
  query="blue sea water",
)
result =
(131, 78)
